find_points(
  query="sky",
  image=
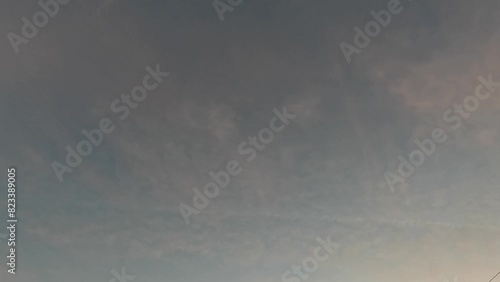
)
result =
(219, 73)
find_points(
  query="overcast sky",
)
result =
(323, 174)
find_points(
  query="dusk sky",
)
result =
(243, 140)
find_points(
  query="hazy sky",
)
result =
(322, 175)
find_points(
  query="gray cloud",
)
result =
(119, 208)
